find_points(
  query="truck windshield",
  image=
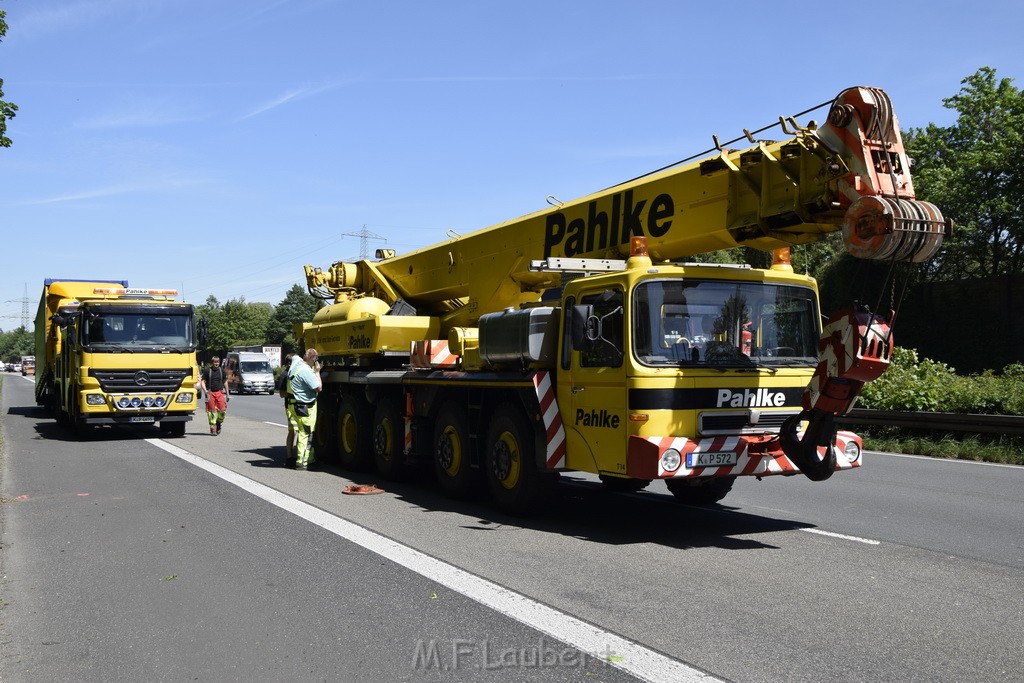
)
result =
(724, 324)
(119, 330)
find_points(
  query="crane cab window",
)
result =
(607, 351)
(724, 324)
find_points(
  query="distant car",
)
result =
(17, 367)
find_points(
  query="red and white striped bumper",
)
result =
(753, 457)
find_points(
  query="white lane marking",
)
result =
(275, 424)
(845, 537)
(631, 657)
(934, 458)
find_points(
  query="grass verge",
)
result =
(981, 447)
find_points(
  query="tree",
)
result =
(235, 323)
(298, 306)
(974, 172)
(15, 344)
(7, 109)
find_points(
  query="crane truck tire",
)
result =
(389, 439)
(355, 449)
(510, 462)
(452, 459)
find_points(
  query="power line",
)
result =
(364, 236)
(24, 301)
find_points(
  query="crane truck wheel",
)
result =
(451, 457)
(510, 462)
(389, 439)
(355, 450)
(700, 490)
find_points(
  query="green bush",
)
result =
(913, 384)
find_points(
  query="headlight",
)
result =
(852, 451)
(671, 460)
(124, 402)
(95, 399)
(160, 402)
(185, 397)
(136, 402)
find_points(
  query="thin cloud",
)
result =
(114, 190)
(290, 96)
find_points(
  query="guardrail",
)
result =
(953, 422)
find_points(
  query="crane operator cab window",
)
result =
(724, 324)
(597, 329)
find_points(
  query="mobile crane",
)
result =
(578, 338)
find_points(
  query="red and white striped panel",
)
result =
(555, 439)
(427, 354)
(407, 419)
(747, 463)
(854, 346)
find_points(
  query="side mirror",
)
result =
(586, 327)
(202, 328)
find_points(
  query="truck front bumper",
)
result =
(657, 457)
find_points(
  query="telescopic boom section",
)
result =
(850, 174)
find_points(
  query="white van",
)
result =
(249, 373)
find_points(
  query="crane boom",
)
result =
(850, 174)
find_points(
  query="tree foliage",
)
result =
(7, 109)
(235, 323)
(238, 323)
(298, 306)
(15, 344)
(974, 171)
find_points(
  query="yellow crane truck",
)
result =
(579, 338)
(110, 354)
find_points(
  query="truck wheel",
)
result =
(355, 451)
(509, 461)
(451, 457)
(389, 439)
(174, 429)
(624, 485)
(700, 491)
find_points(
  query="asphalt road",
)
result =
(125, 557)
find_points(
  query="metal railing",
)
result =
(953, 422)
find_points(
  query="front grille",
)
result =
(141, 380)
(743, 422)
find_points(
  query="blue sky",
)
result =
(217, 146)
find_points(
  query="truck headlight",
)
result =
(852, 451)
(94, 399)
(671, 460)
(185, 397)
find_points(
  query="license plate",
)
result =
(710, 459)
(142, 418)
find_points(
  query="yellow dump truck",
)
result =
(109, 354)
(580, 337)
